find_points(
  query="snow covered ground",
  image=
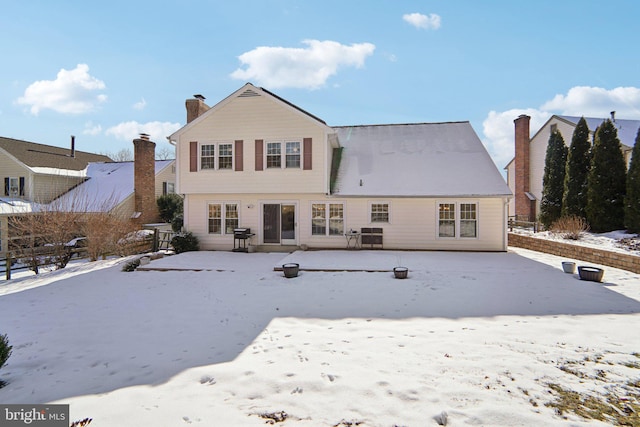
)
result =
(482, 337)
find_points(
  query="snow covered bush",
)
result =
(570, 227)
(185, 242)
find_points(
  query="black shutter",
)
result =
(22, 186)
(6, 186)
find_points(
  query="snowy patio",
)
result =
(221, 338)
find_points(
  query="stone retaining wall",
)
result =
(567, 250)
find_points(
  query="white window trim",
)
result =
(223, 218)
(327, 208)
(457, 204)
(283, 153)
(379, 202)
(216, 155)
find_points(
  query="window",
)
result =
(225, 156)
(293, 154)
(274, 159)
(468, 220)
(207, 156)
(458, 220)
(331, 224)
(209, 159)
(284, 155)
(379, 212)
(168, 187)
(447, 220)
(14, 187)
(230, 218)
(223, 214)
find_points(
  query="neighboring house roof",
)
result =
(422, 159)
(627, 129)
(46, 156)
(9, 206)
(107, 185)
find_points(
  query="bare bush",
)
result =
(570, 227)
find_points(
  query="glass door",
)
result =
(279, 223)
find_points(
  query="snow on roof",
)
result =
(107, 185)
(627, 129)
(10, 205)
(423, 159)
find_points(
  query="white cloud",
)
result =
(597, 102)
(498, 127)
(426, 22)
(91, 129)
(157, 131)
(309, 67)
(140, 105)
(72, 92)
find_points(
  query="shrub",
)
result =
(169, 205)
(131, 265)
(185, 242)
(5, 352)
(177, 223)
(570, 227)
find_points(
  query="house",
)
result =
(38, 172)
(526, 170)
(39, 177)
(256, 161)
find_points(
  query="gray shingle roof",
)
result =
(40, 155)
(416, 160)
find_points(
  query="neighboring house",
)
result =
(38, 172)
(526, 170)
(53, 176)
(129, 188)
(256, 161)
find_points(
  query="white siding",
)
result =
(413, 222)
(250, 119)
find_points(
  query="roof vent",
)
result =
(248, 93)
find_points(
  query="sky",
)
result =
(221, 339)
(107, 71)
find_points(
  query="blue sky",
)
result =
(107, 71)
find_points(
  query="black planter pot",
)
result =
(290, 270)
(400, 272)
(592, 274)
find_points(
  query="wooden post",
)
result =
(156, 240)
(8, 265)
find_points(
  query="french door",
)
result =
(279, 223)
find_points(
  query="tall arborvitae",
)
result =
(553, 179)
(632, 198)
(574, 201)
(607, 181)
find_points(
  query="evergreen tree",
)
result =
(607, 181)
(553, 179)
(574, 201)
(632, 198)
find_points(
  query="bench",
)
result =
(371, 237)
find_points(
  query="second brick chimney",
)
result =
(144, 180)
(524, 205)
(195, 107)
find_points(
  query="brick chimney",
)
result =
(522, 165)
(195, 107)
(144, 181)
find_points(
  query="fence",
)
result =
(523, 223)
(41, 256)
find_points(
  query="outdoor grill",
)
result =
(240, 237)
